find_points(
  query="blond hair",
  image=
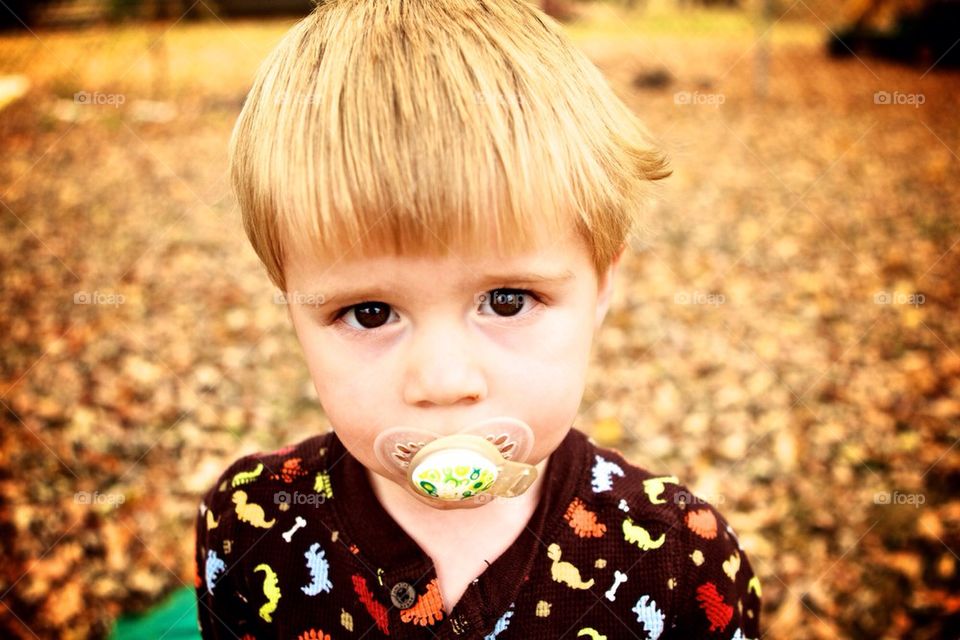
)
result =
(418, 125)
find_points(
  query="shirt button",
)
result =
(403, 595)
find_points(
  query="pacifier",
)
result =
(482, 460)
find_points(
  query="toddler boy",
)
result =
(443, 190)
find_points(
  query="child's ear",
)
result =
(605, 290)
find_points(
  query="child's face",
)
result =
(418, 342)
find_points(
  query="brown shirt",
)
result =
(294, 544)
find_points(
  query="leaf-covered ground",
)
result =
(784, 336)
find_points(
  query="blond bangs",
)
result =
(431, 125)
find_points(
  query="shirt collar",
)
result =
(381, 542)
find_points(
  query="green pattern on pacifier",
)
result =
(453, 482)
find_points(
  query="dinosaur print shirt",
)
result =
(294, 544)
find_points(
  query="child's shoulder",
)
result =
(618, 483)
(660, 519)
(284, 466)
(619, 487)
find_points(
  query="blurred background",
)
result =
(785, 335)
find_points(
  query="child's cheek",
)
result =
(557, 348)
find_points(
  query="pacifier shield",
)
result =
(486, 457)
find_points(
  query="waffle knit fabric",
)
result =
(294, 544)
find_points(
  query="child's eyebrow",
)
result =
(525, 278)
(331, 295)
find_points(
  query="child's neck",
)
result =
(486, 531)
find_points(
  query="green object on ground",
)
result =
(173, 619)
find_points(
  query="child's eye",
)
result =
(367, 315)
(502, 302)
(507, 302)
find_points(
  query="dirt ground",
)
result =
(785, 336)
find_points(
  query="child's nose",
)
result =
(442, 370)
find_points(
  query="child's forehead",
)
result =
(546, 251)
(481, 243)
